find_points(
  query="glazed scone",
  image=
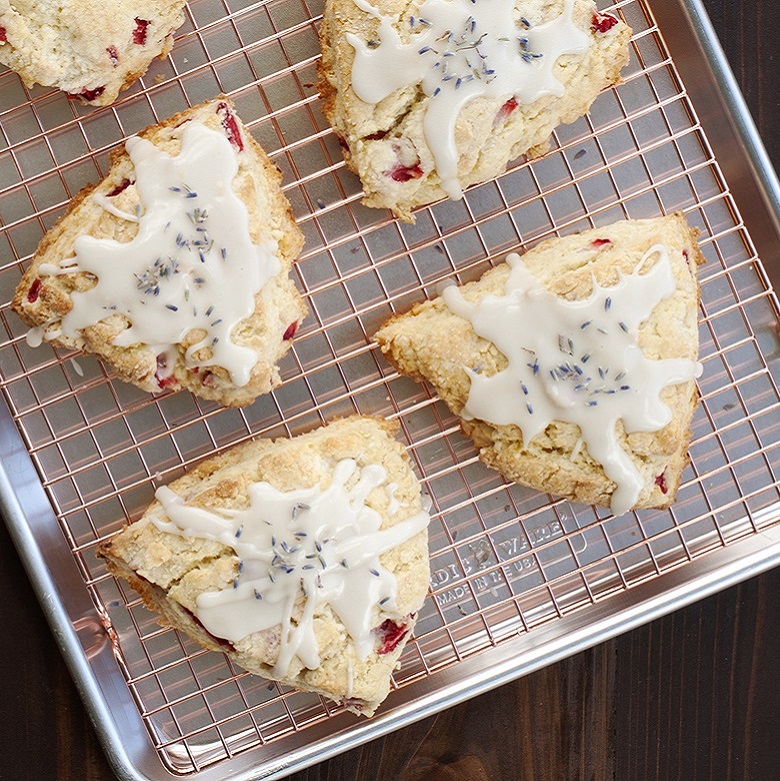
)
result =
(175, 268)
(305, 560)
(572, 368)
(430, 96)
(91, 49)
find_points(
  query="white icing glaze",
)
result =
(393, 505)
(105, 203)
(76, 367)
(34, 336)
(460, 50)
(576, 361)
(306, 547)
(192, 264)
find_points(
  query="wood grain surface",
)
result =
(692, 696)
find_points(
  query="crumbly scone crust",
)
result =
(376, 137)
(169, 571)
(431, 343)
(278, 303)
(88, 48)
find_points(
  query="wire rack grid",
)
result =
(504, 560)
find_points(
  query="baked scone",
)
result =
(91, 49)
(305, 560)
(430, 96)
(573, 368)
(175, 268)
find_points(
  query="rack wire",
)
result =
(505, 560)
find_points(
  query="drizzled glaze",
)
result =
(192, 264)
(299, 548)
(576, 361)
(460, 50)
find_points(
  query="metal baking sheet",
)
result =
(519, 579)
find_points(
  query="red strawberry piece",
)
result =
(113, 55)
(207, 379)
(89, 94)
(121, 187)
(403, 173)
(602, 22)
(600, 242)
(3, 35)
(290, 332)
(390, 634)
(164, 379)
(505, 110)
(660, 481)
(35, 289)
(139, 33)
(230, 126)
(407, 165)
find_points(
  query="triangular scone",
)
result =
(91, 49)
(305, 560)
(581, 339)
(175, 268)
(430, 97)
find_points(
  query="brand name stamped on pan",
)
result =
(510, 556)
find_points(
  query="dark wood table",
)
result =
(695, 695)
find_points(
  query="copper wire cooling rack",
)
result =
(511, 568)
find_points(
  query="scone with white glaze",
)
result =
(91, 49)
(431, 96)
(573, 367)
(305, 560)
(175, 268)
